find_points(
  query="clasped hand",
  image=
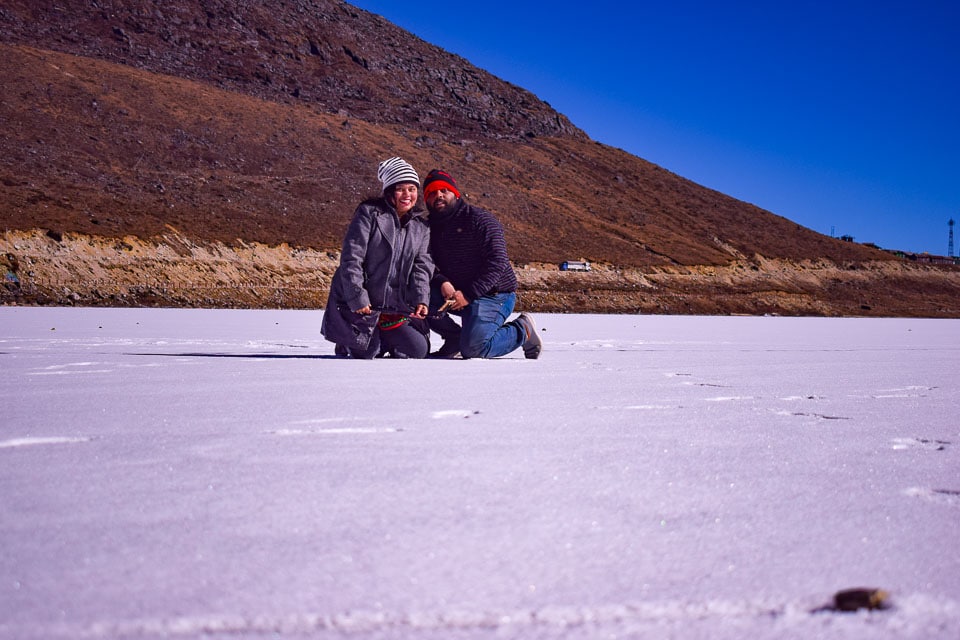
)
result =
(455, 300)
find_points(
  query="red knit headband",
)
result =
(436, 185)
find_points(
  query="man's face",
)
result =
(440, 200)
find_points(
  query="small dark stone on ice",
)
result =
(854, 599)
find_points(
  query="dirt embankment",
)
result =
(169, 270)
(172, 270)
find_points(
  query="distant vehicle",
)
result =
(575, 265)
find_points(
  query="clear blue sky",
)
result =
(842, 116)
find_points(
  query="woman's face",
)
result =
(405, 196)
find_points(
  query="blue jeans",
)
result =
(484, 331)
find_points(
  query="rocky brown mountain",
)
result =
(262, 122)
(323, 53)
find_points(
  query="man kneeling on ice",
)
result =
(474, 278)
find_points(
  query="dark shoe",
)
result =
(447, 351)
(341, 351)
(532, 344)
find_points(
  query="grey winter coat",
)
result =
(382, 264)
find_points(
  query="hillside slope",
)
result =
(98, 147)
(229, 125)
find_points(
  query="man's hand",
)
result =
(459, 301)
(364, 311)
(455, 300)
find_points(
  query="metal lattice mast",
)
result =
(950, 239)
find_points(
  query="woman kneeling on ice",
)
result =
(379, 293)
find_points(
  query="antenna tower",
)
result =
(950, 239)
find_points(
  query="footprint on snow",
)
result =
(454, 413)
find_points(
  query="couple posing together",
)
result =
(402, 274)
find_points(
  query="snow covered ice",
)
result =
(219, 474)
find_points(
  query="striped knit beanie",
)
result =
(395, 170)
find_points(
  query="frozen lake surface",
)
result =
(218, 474)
